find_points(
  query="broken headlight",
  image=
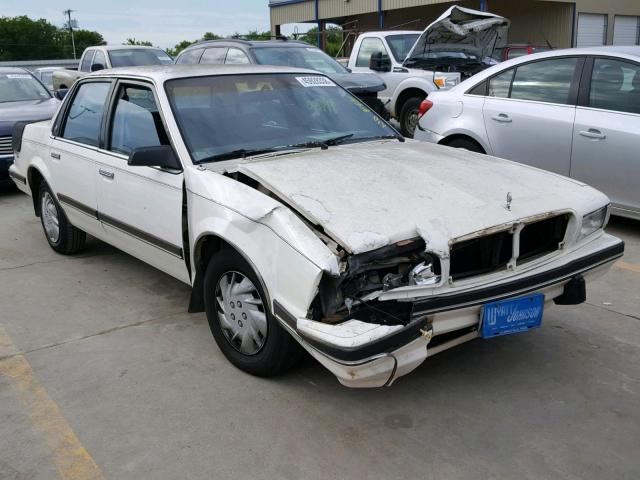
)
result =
(594, 221)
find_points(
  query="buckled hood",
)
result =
(463, 30)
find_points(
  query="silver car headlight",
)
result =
(594, 221)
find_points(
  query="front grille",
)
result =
(493, 252)
(5, 145)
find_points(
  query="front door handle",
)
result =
(502, 118)
(593, 133)
(55, 155)
(106, 173)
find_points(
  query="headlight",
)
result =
(443, 81)
(593, 222)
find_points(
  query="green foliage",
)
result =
(179, 47)
(334, 39)
(211, 36)
(22, 38)
(133, 41)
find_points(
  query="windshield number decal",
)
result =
(315, 82)
(18, 75)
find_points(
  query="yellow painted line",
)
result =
(634, 267)
(71, 458)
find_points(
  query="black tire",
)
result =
(467, 143)
(279, 350)
(70, 239)
(409, 115)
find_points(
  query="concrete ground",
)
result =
(103, 374)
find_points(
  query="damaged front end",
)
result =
(353, 294)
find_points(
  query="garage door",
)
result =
(592, 30)
(625, 30)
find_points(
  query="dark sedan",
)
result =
(22, 98)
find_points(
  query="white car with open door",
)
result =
(301, 218)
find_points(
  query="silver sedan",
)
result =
(575, 112)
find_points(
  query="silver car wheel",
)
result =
(241, 313)
(49, 212)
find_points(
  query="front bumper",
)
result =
(424, 135)
(5, 162)
(443, 321)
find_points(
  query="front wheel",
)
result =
(409, 116)
(63, 237)
(240, 318)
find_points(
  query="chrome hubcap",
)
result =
(241, 313)
(49, 213)
(412, 121)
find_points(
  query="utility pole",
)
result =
(69, 25)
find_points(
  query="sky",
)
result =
(162, 22)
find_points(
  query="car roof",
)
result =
(386, 33)
(162, 73)
(125, 47)
(5, 70)
(251, 43)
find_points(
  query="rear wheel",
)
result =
(63, 237)
(240, 318)
(467, 143)
(409, 116)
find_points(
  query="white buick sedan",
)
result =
(300, 218)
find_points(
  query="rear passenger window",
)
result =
(236, 56)
(545, 81)
(500, 84)
(615, 85)
(190, 56)
(85, 113)
(214, 55)
(480, 89)
(136, 121)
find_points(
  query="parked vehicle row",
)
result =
(300, 218)
(575, 112)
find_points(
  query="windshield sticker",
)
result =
(315, 82)
(18, 75)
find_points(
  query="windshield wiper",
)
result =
(239, 153)
(399, 137)
(323, 144)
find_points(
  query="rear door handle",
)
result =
(55, 155)
(106, 173)
(502, 118)
(593, 133)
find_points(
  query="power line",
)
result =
(70, 24)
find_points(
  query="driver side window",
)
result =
(368, 47)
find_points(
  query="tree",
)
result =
(334, 38)
(22, 38)
(211, 36)
(173, 52)
(133, 41)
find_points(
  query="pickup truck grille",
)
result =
(490, 253)
(5, 145)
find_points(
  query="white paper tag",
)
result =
(315, 82)
(18, 75)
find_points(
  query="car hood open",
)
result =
(368, 195)
(463, 30)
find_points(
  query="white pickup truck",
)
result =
(413, 63)
(109, 56)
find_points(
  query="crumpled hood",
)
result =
(368, 195)
(359, 82)
(30, 110)
(464, 30)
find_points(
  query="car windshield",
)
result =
(303, 57)
(231, 116)
(401, 44)
(17, 87)
(132, 57)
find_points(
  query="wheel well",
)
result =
(406, 95)
(449, 139)
(206, 248)
(35, 178)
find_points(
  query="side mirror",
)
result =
(61, 93)
(380, 62)
(97, 66)
(162, 156)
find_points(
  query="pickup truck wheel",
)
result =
(240, 318)
(63, 237)
(409, 116)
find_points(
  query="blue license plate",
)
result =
(512, 316)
